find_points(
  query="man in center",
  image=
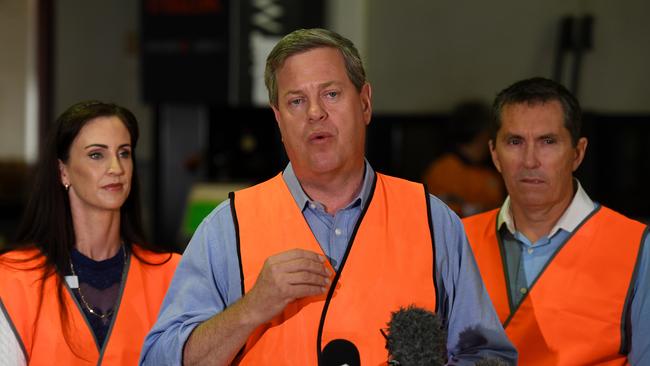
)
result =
(328, 248)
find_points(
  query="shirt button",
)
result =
(337, 232)
(530, 250)
(523, 290)
(312, 206)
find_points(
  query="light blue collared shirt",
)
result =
(525, 260)
(207, 279)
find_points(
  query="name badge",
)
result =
(72, 281)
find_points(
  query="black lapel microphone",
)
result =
(340, 352)
(416, 337)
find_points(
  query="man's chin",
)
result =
(534, 199)
(324, 163)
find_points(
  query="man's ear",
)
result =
(493, 154)
(276, 113)
(580, 150)
(366, 102)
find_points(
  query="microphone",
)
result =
(340, 352)
(416, 337)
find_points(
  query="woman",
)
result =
(82, 286)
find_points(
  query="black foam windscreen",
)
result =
(416, 337)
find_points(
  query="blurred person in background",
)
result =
(567, 276)
(80, 284)
(464, 177)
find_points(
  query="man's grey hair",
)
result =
(303, 40)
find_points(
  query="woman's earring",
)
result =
(67, 186)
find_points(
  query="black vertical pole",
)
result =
(564, 44)
(583, 42)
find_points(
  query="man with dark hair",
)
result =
(567, 276)
(326, 250)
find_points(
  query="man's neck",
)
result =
(537, 221)
(333, 189)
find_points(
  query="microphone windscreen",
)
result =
(340, 352)
(416, 337)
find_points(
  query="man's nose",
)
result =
(531, 159)
(316, 111)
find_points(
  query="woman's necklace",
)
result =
(83, 299)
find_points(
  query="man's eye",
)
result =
(295, 102)
(332, 94)
(549, 141)
(514, 142)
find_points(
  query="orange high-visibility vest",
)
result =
(466, 188)
(388, 264)
(40, 331)
(573, 312)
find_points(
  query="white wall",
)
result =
(96, 57)
(17, 78)
(348, 17)
(424, 56)
(616, 76)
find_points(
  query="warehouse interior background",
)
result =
(191, 73)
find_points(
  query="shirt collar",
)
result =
(302, 199)
(581, 206)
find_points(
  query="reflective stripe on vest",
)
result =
(389, 264)
(573, 312)
(139, 302)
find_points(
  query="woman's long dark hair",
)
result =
(47, 221)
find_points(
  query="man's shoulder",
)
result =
(482, 218)
(404, 187)
(390, 179)
(616, 218)
(266, 184)
(222, 209)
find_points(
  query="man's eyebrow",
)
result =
(511, 134)
(548, 135)
(328, 84)
(292, 92)
(322, 85)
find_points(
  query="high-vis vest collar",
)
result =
(573, 312)
(141, 294)
(389, 264)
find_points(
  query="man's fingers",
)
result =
(306, 278)
(296, 254)
(297, 260)
(300, 291)
(304, 265)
